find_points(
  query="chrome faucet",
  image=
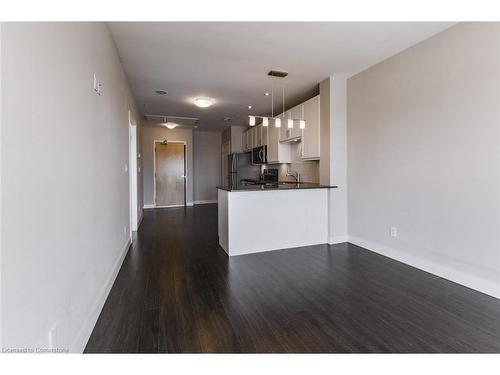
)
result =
(295, 175)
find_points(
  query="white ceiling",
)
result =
(230, 61)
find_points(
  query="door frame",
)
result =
(185, 172)
(133, 170)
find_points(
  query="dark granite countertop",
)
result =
(278, 186)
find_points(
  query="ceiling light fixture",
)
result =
(203, 102)
(171, 125)
(277, 120)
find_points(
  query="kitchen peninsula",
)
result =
(256, 218)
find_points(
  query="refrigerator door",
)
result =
(240, 167)
(245, 168)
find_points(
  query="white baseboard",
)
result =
(148, 206)
(457, 276)
(337, 239)
(189, 204)
(209, 201)
(78, 345)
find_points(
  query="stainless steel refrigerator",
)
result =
(240, 167)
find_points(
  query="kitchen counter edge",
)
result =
(254, 188)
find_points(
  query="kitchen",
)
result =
(270, 174)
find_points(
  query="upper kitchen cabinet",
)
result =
(310, 135)
(234, 136)
(296, 113)
(255, 137)
(247, 140)
(285, 133)
(277, 152)
(236, 139)
(260, 135)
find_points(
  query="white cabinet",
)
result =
(255, 137)
(296, 113)
(277, 152)
(247, 140)
(284, 131)
(236, 134)
(310, 135)
(260, 135)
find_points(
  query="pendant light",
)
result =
(265, 120)
(277, 120)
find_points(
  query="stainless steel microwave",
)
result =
(259, 155)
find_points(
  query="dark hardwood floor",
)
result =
(178, 292)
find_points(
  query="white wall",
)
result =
(151, 133)
(65, 192)
(207, 165)
(333, 162)
(1, 208)
(338, 160)
(424, 156)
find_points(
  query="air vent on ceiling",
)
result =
(277, 73)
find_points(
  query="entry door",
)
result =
(170, 174)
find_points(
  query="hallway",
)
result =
(178, 292)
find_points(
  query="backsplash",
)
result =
(308, 169)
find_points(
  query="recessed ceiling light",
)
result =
(249, 107)
(161, 92)
(171, 125)
(266, 94)
(203, 102)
